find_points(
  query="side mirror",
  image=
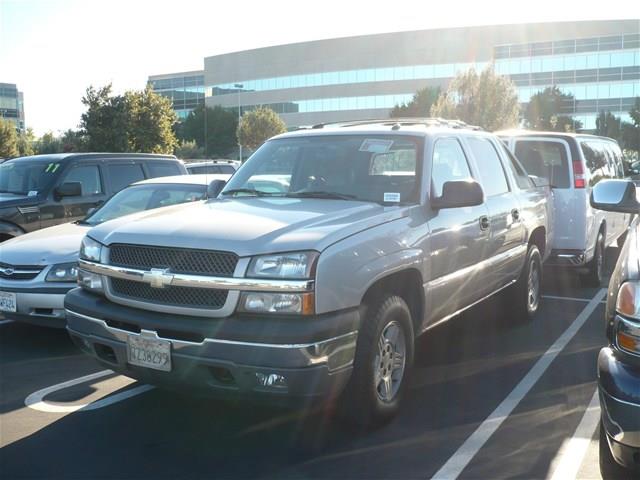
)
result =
(68, 189)
(540, 181)
(215, 187)
(91, 210)
(615, 196)
(459, 193)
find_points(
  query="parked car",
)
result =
(619, 362)
(45, 190)
(573, 165)
(320, 290)
(213, 166)
(37, 269)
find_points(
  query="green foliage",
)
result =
(26, 143)
(634, 113)
(48, 143)
(8, 139)
(259, 125)
(484, 99)
(138, 121)
(545, 111)
(73, 141)
(419, 106)
(608, 125)
(220, 132)
(189, 149)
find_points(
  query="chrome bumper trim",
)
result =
(202, 281)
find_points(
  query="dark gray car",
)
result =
(316, 285)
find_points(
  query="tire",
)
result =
(528, 288)
(595, 273)
(379, 378)
(609, 468)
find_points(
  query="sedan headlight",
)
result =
(293, 265)
(90, 249)
(628, 302)
(63, 272)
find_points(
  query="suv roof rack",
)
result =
(396, 123)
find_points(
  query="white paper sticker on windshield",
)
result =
(376, 145)
(32, 193)
(391, 197)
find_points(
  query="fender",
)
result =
(10, 230)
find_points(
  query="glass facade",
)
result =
(12, 105)
(185, 92)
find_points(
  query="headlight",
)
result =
(90, 281)
(261, 302)
(90, 249)
(294, 265)
(628, 302)
(63, 272)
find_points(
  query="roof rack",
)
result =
(396, 123)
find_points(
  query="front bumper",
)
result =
(619, 387)
(223, 356)
(39, 306)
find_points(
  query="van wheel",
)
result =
(384, 356)
(609, 468)
(595, 274)
(528, 288)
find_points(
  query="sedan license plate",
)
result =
(7, 302)
(149, 353)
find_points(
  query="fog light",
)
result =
(261, 302)
(90, 281)
(271, 380)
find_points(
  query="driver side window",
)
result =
(449, 164)
(88, 176)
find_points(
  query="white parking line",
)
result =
(487, 428)
(570, 456)
(36, 402)
(572, 299)
(4, 322)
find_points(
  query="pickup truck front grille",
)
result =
(203, 298)
(177, 260)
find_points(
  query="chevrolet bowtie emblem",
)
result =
(7, 271)
(158, 277)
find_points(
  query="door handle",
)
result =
(515, 214)
(484, 223)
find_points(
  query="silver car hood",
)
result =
(249, 226)
(51, 245)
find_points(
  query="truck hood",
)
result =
(14, 200)
(59, 244)
(249, 226)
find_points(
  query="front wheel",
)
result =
(384, 355)
(528, 288)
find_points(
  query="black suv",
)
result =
(45, 190)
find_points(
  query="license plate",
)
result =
(7, 302)
(149, 353)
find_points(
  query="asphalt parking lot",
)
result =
(490, 398)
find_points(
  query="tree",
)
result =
(105, 123)
(48, 143)
(220, 133)
(188, 149)
(419, 106)
(484, 99)
(259, 125)
(73, 141)
(8, 139)
(26, 143)
(548, 110)
(150, 119)
(608, 125)
(634, 113)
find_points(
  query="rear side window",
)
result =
(615, 158)
(598, 165)
(545, 159)
(88, 176)
(228, 169)
(522, 178)
(492, 175)
(123, 174)
(449, 164)
(162, 169)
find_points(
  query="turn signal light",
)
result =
(627, 342)
(628, 301)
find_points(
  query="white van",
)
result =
(573, 164)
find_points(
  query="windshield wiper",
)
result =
(250, 191)
(322, 194)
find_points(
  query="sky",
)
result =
(54, 49)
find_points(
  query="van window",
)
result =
(89, 178)
(492, 175)
(449, 164)
(162, 169)
(123, 174)
(615, 158)
(545, 159)
(522, 178)
(596, 160)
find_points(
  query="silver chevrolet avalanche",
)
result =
(311, 275)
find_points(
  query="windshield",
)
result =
(371, 168)
(27, 177)
(145, 197)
